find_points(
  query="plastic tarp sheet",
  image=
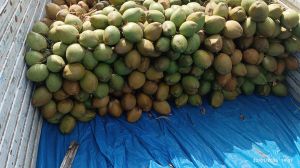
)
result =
(251, 131)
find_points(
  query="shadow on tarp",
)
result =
(251, 131)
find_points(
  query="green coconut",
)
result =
(153, 31)
(238, 14)
(87, 25)
(223, 64)
(217, 99)
(150, 87)
(103, 72)
(51, 10)
(289, 18)
(153, 74)
(116, 82)
(65, 106)
(269, 63)
(188, 28)
(111, 35)
(168, 13)
(67, 124)
(275, 49)
(204, 88)
(75, 53)
(232, 29)
(214, 24)
(190, 84)
(89, 61)
(214, 43)
(161, 63)
(123, 46)
(168, 28)
(59, 48)
(147, 48)
(74, 20)
(41, 96)
(40, 27)
(178, 17)
(89, 82)
(102, 90)
(258, 11)
(68, 34)
(36, 41)
(115, 18)
(37, 73)
(163, 44)
(228, 46)
(54, 82)
(162, 107)
(162, 92)
(99, 33)
(249, 27)
(172, 79)
(49, 110)
(74, 71)
(155, 16)
(133, 59)
(132, 32)
(197, 17)
(275, 11)
(120, 67)
(202, 59)
(157, 6)
(34, 57)
(99, 21)
(136, 80)
(266, 28)
(195, 100)
(261, 44)
(132, 15)
(126, 5)
(279, 89)
(176, 90)
(88, 39)
(181, 100)
(179, 43)
(221, 9)
(194, 43)
(103, 52)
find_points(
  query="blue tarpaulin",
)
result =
(251, 131)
